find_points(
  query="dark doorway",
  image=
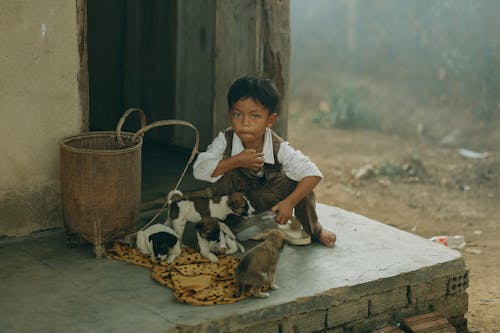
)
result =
(131, 63)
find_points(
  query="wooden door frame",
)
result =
(271, 28)
(83, 70)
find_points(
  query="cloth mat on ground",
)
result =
(193, 279)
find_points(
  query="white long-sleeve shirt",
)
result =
(295, 164)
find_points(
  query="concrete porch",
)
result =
(375, 275)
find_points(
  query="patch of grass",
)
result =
(485, 111)
(390, 169)
(345, 108)
(411, 168)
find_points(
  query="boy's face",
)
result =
(249, 119)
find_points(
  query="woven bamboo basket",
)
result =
(101, 184)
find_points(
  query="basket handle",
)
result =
(122, 121)
(191, 158)
(194, 151)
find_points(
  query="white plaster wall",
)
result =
(39, 105)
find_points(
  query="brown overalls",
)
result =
(265, 192)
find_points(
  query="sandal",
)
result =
(295, 235)
(294, 232)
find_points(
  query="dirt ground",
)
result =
(419, 187)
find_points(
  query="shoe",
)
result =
(294, 232)
(295, 235)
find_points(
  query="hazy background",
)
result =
(427, 69)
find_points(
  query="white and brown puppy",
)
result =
(214, 238)
(260, 262)
(193, 209)
(160, 242)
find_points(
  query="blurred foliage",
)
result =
(443, 52)
(390, 169)
(346, 108)
(411, 167)
(484, 111)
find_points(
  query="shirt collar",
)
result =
(267, 149)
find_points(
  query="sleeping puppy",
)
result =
(215, 237)
(259, 262)
(193, 209)
(160, 242)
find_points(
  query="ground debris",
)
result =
(429, 322)
(410, 170)
(366, 171)
(473, 251)
(480, 173)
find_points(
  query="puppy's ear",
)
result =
(199, 225)
(171, 240)
(234, 200)
(162, 242)
(230, 200)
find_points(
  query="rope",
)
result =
(141, 133)
(194, 152)
(175, 188)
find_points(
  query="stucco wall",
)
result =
(39, 105)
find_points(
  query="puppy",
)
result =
(215, 237)
(183, 210)
(259, 262)
(160, 242)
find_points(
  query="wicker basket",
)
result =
(101, 184)
(101, 181)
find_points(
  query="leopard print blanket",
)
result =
(192, 278)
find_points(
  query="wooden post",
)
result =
(252, 37)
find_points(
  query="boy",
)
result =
(249, 157)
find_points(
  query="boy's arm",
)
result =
(248, 158)
(285, 207)
(210, 165)
(300, 168)
(207, 161)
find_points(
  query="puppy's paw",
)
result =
(274, 286)
(261, 294)
(231, 251)
(212, 257)
(170, 259)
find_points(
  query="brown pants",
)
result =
(265, 192)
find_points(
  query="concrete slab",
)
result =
(376, 275)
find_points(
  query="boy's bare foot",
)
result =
(327, 238)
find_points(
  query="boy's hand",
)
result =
(284, 209)
(251, 159)
(248, 159)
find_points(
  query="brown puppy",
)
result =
(183, 210)
(259, 262)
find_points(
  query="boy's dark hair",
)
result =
(258, 89)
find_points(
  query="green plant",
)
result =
(346, 109)
(484, 111)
